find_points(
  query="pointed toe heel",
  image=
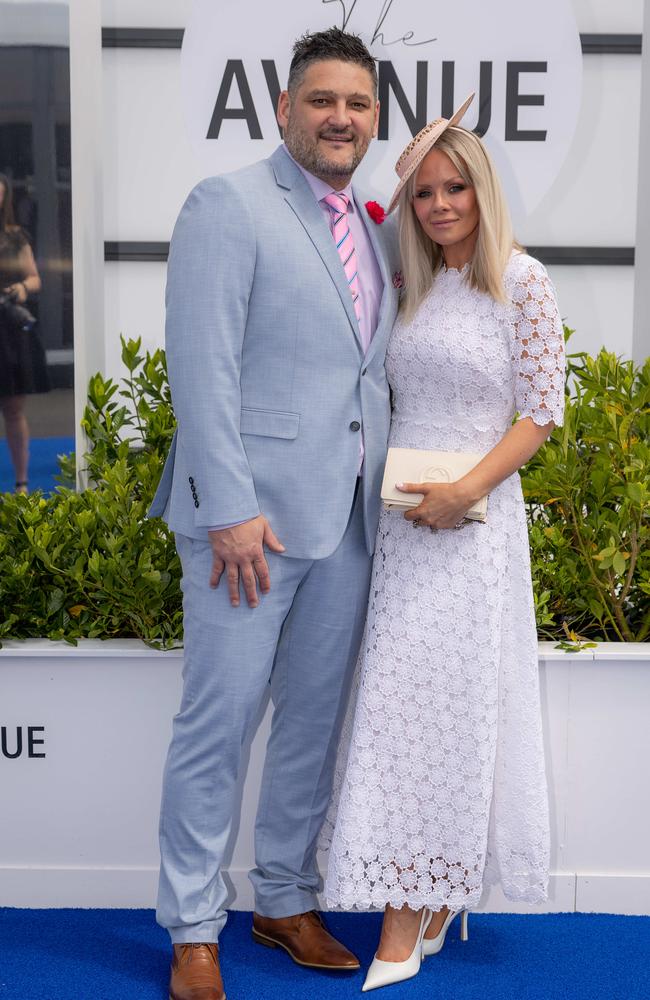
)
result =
(383, 973)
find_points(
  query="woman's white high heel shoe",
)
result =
(431, 946)
(383, 973)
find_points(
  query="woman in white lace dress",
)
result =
(444, 789)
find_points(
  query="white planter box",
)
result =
(78, 826)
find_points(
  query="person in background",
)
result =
(22, 360)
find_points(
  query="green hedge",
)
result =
(90, 564)
(588, 498)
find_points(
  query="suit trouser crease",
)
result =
(315, 782)
(294, 638)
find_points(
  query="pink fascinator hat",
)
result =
(411, 158)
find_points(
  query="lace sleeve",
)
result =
(537, 339)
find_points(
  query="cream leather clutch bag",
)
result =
(411, 465)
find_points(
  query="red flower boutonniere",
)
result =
(398, 280)
(376, 212)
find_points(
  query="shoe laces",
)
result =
(188, 948)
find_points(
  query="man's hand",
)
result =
(240, 552)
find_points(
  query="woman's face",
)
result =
(446, 207)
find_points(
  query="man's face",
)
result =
(330, 120)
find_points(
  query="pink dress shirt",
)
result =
(371, 285)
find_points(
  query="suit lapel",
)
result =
(387, 307)
(300, 199)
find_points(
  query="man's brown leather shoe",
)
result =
(195, 973)
(306, 939)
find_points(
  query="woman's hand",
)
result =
(444, 505)
(18, 292)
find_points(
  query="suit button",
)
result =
(355, 426)
(196, 503)
(191, 481)
(364, 371)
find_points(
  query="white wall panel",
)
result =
(149, 166)
(605, 16)
(599, 703)
(593, 200)
(597, 302)
(641, 342)
(96, 792)
(134, 306)
(145, 13)
(592, 15)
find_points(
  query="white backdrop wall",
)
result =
(596, 300)
(82, 816)
(592, 15)
(149, 167)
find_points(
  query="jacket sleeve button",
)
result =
(196, 503)
(191, 481)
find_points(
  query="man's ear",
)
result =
(284, 104)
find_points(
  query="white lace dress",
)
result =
(444, 788)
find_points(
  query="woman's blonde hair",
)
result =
(422, 258)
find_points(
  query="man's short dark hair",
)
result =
(330, 44)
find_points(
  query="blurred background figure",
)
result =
(35, 244)
(22, 359)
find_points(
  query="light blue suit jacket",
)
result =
(267, 372)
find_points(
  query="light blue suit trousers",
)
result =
(318, 607)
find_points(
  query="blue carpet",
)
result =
(43, 464)
(123, 955)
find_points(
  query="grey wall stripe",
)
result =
(142, 38)
(135, 251)
(152, 252)
(611, 45)
(172, 38)
(606, 256)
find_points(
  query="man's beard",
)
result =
(305, 151)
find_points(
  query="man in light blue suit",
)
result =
(280, 301)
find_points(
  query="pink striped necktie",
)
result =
(338, 206)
